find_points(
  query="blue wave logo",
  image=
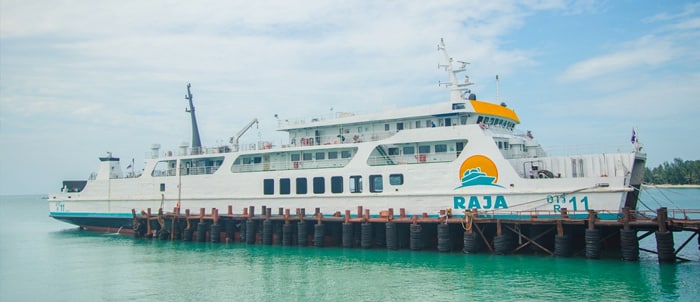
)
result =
(474, 177)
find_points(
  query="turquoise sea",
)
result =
(46, 260)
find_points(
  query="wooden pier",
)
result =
(472, 232)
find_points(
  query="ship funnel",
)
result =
(196, 142)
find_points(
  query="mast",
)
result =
(196, 142)
(458, 91)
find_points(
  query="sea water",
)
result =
(42, 259)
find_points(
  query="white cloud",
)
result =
(648, 51)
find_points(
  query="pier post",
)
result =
(201, 227)
(592, 237)
(664, 238)
(416, 235)
(561, 242)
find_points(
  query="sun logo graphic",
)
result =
(478, 170)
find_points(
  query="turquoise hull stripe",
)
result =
(484, 216)
(91, 215)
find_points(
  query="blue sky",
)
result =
(80, 78)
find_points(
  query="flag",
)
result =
(634, 137)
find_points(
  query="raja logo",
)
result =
(478, 170)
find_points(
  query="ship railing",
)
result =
(544, 214)
(573, 150)
(680, 214)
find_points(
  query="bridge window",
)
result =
(356, 184)
(285, 186)
(333, 155)
(424, 149)
(319, 185)
(408, 150)
(375, 184)
(396, 179)
(301, 185)
(320, 155)
(440, 148)
(269, 186)
(337, 184)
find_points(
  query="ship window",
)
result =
(257, 159)
(285, 186)
(333, 155)
(320, 155)
(440, 148)
(458, 106)
(337, 184)
(463, 120)
(399, 127)
(448, 122)
(480, 119)
(345, 154)
(375, 183)
(164, 168)
(424, 149)
(295, 157)
(269, 186)
(319, 185)
(307, 156)
(429, 123)
(396, 179)
(500, 145)
(408, 150)
(162, 187)
(386, 127)
(301, 185)
(417, 124)
(394, 151)
(356, 184)
(505, 145)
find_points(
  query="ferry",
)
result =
(460, 156)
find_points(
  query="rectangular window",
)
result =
(429, 124)
(399, 127)
(417, 124)
(356, 184)
(162, 187)
(440, 148)
(307, 156)
(319, 185)
(375, 184)
(301, 185)
(269, 186)
(448, 122)
(386, 127)
(396, 179)
(333, 155)
(257, 159)
(295, 157)
(408, 150)
(345, 154)
(285, 186)
(337, 184)
(424, 149)
(320, 155)
(393, 151)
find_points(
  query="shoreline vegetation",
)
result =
(678, 172)
(671, 186)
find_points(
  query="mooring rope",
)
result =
(467, 221)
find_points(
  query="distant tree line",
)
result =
(678, 172)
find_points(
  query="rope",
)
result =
(467, 221)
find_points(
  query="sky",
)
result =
(79, 79)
